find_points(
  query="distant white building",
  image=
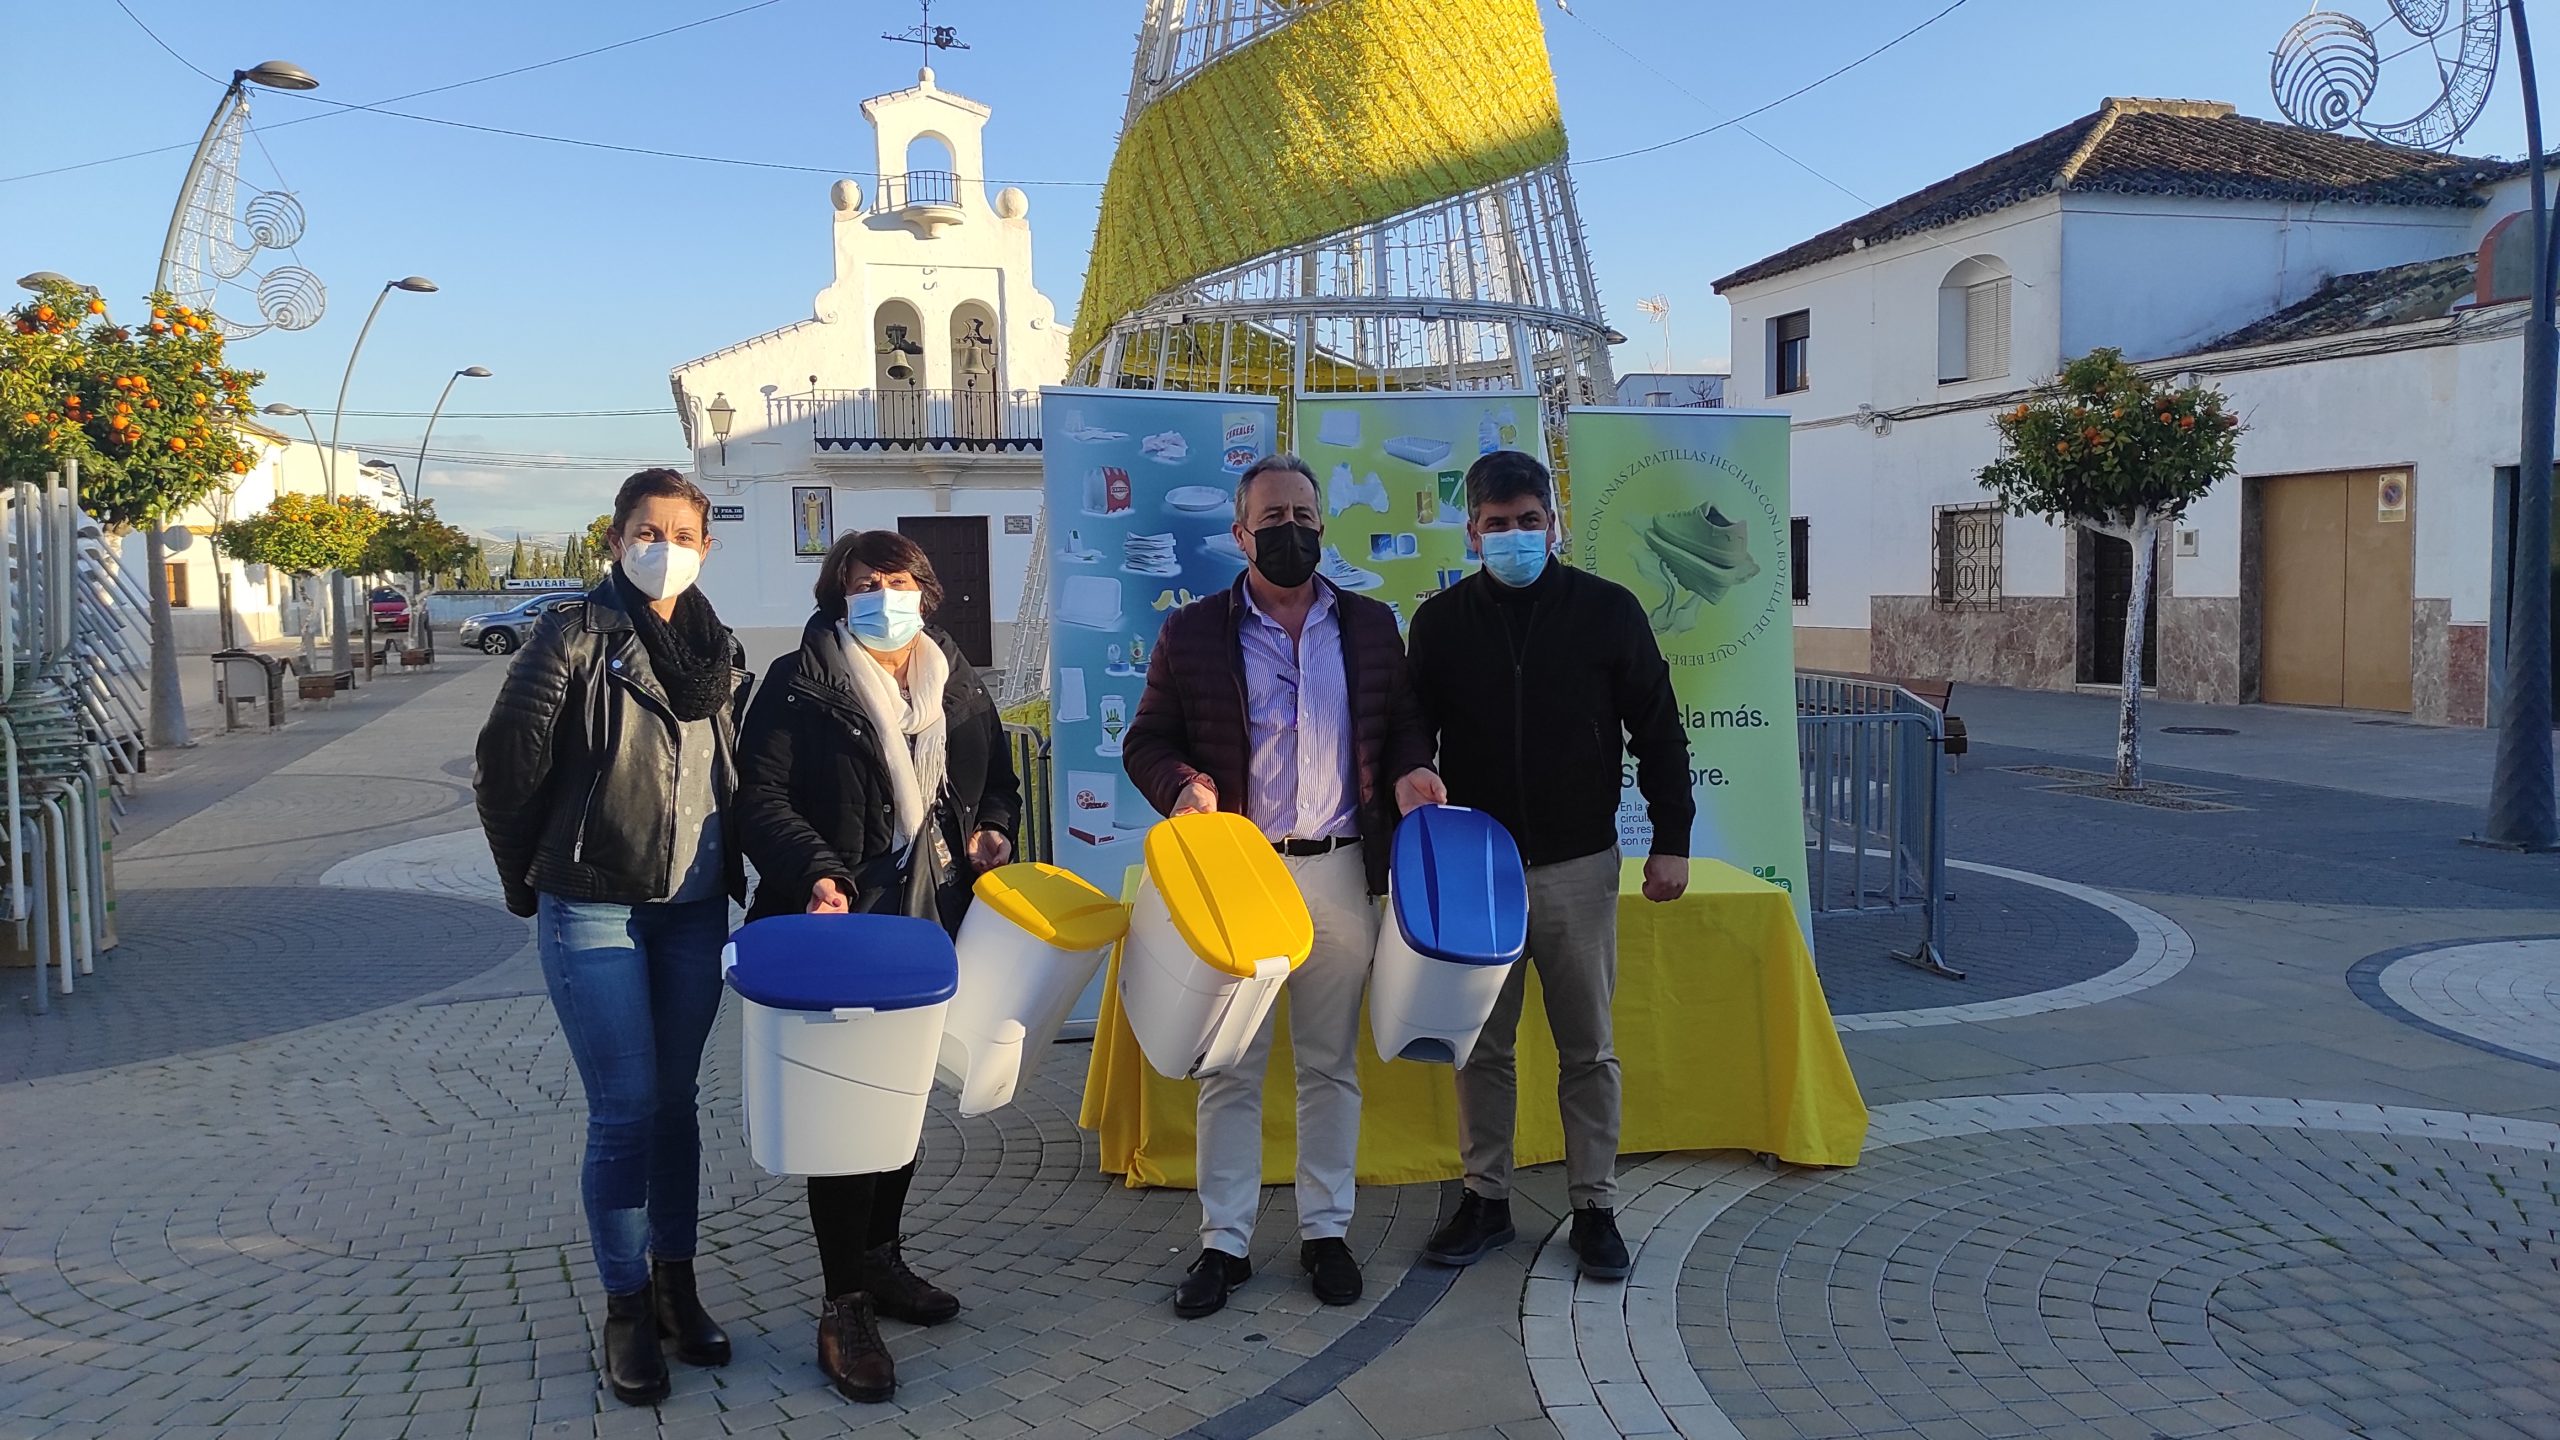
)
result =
(910, 401)
(2332, 286)
(1656, 388)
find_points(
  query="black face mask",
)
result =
(1287, 553)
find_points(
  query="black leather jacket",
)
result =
(577, 764)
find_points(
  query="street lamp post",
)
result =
(2522, 812)
(722, 415)
(418, 495)
(308, 600)
(168, 706)
(339, 658)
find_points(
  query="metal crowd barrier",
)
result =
(1875, 806)
(71, 728)
(1032, 837)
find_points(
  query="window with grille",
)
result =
(1966, 542)
(177, 585)
(1799, 537)
(1790, 336)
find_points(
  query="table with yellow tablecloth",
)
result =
(1723, 1037)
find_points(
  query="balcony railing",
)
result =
(920, 189)
(912, 419)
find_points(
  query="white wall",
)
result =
(1874, 316)
(2156, 276)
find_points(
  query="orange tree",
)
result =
(418, 543)
(143, 411)
(304, 535)
(2106, 448)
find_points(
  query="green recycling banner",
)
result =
(1687, 507)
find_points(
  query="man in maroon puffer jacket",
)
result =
(1285, 700)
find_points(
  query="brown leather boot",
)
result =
(900, 1293)
(851, 1353)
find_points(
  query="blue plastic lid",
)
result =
(1460, 892)
(852, 962)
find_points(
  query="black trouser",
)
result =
(851, 1214)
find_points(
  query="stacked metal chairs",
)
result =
(71, 705)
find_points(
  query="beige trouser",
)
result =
(1573, 940)
(1324, 998)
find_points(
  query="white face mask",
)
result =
(661, 569)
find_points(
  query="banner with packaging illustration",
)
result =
(1141, 494)
(1688, 508)
(1392, 468)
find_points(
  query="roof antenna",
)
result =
(929, 37)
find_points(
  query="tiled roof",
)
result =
(2160, 147)
(2396, 295)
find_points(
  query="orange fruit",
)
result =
(97, 307)
(177, 444)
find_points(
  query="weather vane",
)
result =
(929, 37)
(2327, 67)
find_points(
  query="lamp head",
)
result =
(42, 278)
(279, 75)
(476, 372)
(414, 284)
(722, 414)
(281, 408)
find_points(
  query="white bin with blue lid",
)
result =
(842, 1023)
(1457, 921)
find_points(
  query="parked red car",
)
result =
(390, 609)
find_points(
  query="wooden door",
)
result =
(2380, 587)
(2106, 569)
(2302, 597)
(957, 546)
(2336, 579)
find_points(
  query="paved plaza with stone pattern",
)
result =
(2246, 1122)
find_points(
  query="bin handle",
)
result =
(854, 1012)
(1237, 1024)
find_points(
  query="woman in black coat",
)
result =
(874, 778)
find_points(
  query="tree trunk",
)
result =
(222, 590)
(2146, 546)
(168, 704)
(307, 588)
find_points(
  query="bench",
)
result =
(411, 659)
(1938, 694)
(324, 687)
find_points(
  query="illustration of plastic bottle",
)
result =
(1488, 435)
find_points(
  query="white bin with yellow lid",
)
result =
(1216, 929)
(1029, 946)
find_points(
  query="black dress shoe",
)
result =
(1213, 1277)
(1479, 1228)
(634, 1368)
(899, 1293)
(1334, 1275)
(1597, 1245)
(681, 1318)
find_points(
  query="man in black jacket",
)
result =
(1539, 679)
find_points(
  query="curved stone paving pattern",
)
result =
(383, 1212)
(2140, 1264)
(2010, 937)
(206, 967)
(2502, 996)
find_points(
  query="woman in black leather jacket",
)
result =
(875, 778)
(606, 777)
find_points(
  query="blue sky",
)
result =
(581, 275)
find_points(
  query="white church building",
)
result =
(909, 401)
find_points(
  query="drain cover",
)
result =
(2196, 730)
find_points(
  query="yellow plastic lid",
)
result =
(1053, 905)
(1231, 899)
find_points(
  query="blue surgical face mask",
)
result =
(884, 620)
(1514, 557)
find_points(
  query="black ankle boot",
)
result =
(633, 1365)
(681, 1317)
(899, 1293)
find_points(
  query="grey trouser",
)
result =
(1324, 1041)
(1573, 940)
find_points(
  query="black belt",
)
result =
(1305, 849)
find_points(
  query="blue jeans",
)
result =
(636, 988)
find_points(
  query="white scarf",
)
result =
(915, 768)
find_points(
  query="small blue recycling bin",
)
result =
(1457, 921)
(843, 1020)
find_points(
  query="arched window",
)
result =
(1973, 321)
(930, 178)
